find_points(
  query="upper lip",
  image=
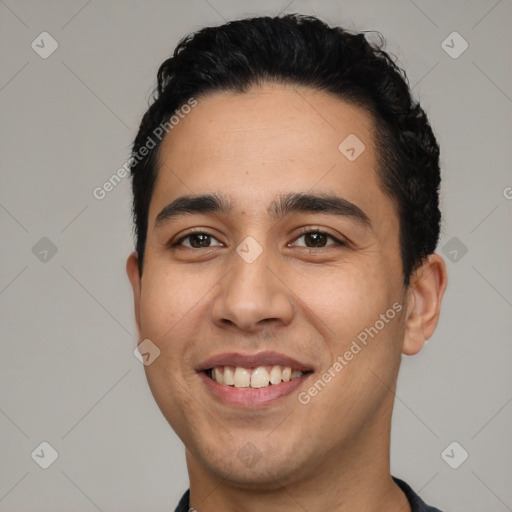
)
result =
(266, 358)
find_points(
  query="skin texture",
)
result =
(309, 303)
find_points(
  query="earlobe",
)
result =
(425, 295)
(132, 269)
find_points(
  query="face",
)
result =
(246, 279)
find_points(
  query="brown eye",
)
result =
(196, 241)
(317, 239)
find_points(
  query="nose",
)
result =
(253, 296)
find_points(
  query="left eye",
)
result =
(317, 239)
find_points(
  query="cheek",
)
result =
(174, 303)
(169, 300)
(347, 305)
(170, 305)
(348, 297)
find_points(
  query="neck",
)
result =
(355, 476)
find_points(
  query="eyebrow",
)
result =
(293, 202)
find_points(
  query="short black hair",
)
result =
(302, 50)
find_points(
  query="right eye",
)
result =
(196, 240)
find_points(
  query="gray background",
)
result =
(68, 375)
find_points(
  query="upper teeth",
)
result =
(259, 377)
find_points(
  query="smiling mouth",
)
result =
(259, 377)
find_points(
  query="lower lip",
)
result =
(251, 397)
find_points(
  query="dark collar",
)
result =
(417, 504)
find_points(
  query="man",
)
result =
(286, 217)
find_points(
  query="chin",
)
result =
(241, 464)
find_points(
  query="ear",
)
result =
(132, 269)
(425, 294)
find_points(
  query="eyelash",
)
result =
(303, 232)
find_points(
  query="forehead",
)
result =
(292, 122)
(270, 141)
